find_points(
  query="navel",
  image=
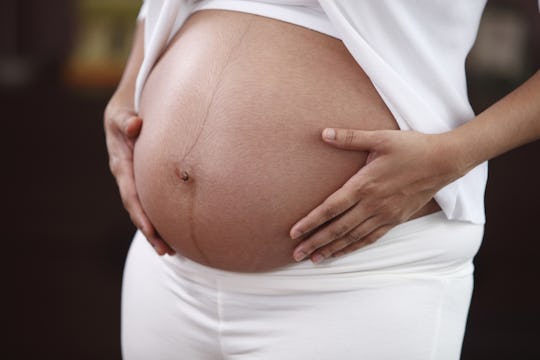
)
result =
(184, 172)
(184, 175)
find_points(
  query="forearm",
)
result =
(126, 86)
(512, 121)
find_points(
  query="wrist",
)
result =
(456, 152)
(122, 99)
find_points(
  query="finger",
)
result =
(355, 235)
(366, 240)
(326, 235)
(154, 238)
(120, 154)
(151, 234)
(132, 127)
(120, 134)
(352, 139)
(142, 222)
(332, 206)
(132, 204)
(133, 207)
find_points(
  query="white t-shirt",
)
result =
(413, 51)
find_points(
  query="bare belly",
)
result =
(230, 155)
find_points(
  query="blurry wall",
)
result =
(67, 233)
(34, 35)
(504, 311)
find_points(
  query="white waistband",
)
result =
(429, 247)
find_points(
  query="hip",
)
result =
(430, 248)
(405, 296)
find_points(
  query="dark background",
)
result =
(67, 233)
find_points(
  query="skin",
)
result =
(122, 127)
(403, 172)
(406, 168)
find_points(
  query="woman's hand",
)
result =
(122, 127)
(403, 171)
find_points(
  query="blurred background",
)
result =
(68, 234)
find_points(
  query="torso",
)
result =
(230, 155)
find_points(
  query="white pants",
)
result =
(404, 297)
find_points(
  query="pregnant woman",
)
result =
(214, 136)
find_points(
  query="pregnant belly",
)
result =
(230, 154)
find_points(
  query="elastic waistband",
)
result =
(429, 247)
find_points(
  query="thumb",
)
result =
(351, 139)
(132, 127)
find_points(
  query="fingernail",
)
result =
(296, 234)
(158, 249)
(329, 134)
(299, 255)
(317, 258)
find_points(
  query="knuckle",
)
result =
(347, 250)
(115, 165)
(373, 187)
(126, 202)
(368, 188)
(382, 140)
(385, 212)
(372, 240)
(337, 230)
(326, 253)
(400, 218)
(342, 229)
(374, 236)
(350, 137)
(356, 246)
(354, 185)
(328, 212)
(335, 247)
(382, 231)
(107, 117)
(370, 206)
(361, 191)
(391, 213)
(112, 121)
(333, 234)
(352, 237)
(395, 217)
(127, 199)
(311, 247)
(385, 207)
